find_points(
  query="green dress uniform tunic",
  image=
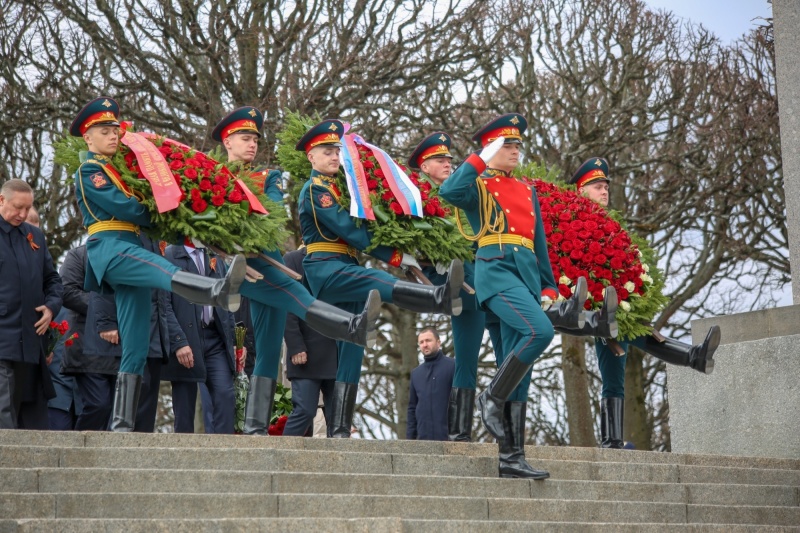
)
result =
(512, 268)
(116, 259)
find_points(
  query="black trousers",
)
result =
(18, 382)
(305, 400)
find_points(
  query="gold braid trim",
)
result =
(320, 183)
(487, 208)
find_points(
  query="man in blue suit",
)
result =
(30, 297)
(201, 347)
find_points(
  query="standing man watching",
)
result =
(429, 390)
(30, 297)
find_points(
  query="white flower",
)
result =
(638, 251)
(564, 280)
(646, 278)
(603, 292)
(645, 267)
(629, 286)
(625, 306)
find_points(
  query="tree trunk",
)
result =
(635, 429)
(406, 336)
(576, 391)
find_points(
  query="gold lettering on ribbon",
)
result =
(155, 169)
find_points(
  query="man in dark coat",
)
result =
(201, 347)
(311, 361)
(429, 393)
(30, 297)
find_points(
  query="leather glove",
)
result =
(441, 268)
(491, 149)
(546, 303)
(409, 261)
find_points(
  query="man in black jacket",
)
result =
(429, 392)
(201, 347)
(30, 297)
(311, 363)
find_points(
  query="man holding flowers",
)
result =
(592, 181)
(271, 297)
(117, 261)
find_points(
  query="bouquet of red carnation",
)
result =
(277, 427)
(241, 383)
(58, 330)
(584, 240)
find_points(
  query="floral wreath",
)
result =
(433, 237)
(583, 239)
(213, 206)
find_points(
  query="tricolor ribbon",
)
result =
(404, 190)
(360, 204)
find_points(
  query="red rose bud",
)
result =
(372, 184)
(190, 173)
(221, 180)
(378, 173)
(235, 196)
(205, 185)
(217, 200)
(394, 206)
(68, 342)
(199, 206)
(430, 209)
(387, 196)
(176, 155)
(176, 164)
(53, 324)
(368, 164)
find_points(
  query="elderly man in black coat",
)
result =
(30, 297)
(201, 347)
(311, 363)
(429, 393)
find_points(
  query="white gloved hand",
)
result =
(442, 268)
(491, 149)
(546, 303)
(409, 261)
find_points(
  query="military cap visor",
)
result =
(328, 132)
(433, 146)
(592, 170)
(510, 126)
(242, 120)
(102, 111)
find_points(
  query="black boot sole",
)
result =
(233, 281)
(372, 310)
(710, 346)
(455, 277)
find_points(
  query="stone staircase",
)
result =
(91, 482)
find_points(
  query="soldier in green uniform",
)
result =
(592, 181)
(432, 157)
(276, 294)
(117, 260)
(512, 277)
(334, 274)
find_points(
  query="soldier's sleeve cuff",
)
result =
(396, 259)
(550, 293)
(476, 161)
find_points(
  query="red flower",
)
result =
(190, 173)
(199, 205)
(218, 199)
(165, 150)
(176, 164)
(176, 155)
(372, 184)
(235, 196)
(394, 206)
(221, 180)
(368, 164)
(205, 185)
(564, 290)
(378, 173)
(430, 209)
(387, 196)
(193, 162)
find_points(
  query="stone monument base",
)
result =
(750, 404)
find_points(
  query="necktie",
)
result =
(198, 260)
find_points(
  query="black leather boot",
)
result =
(341, 325)
(492, 400)
(258, 408)
(344, 404)
(512, 447)
(602, 323)
(432, 298)
(459, 414)
(700, 356)
(611, 416)
(570, 313)
(126, 402)
(202, 290)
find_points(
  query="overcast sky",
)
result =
(728, 19)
